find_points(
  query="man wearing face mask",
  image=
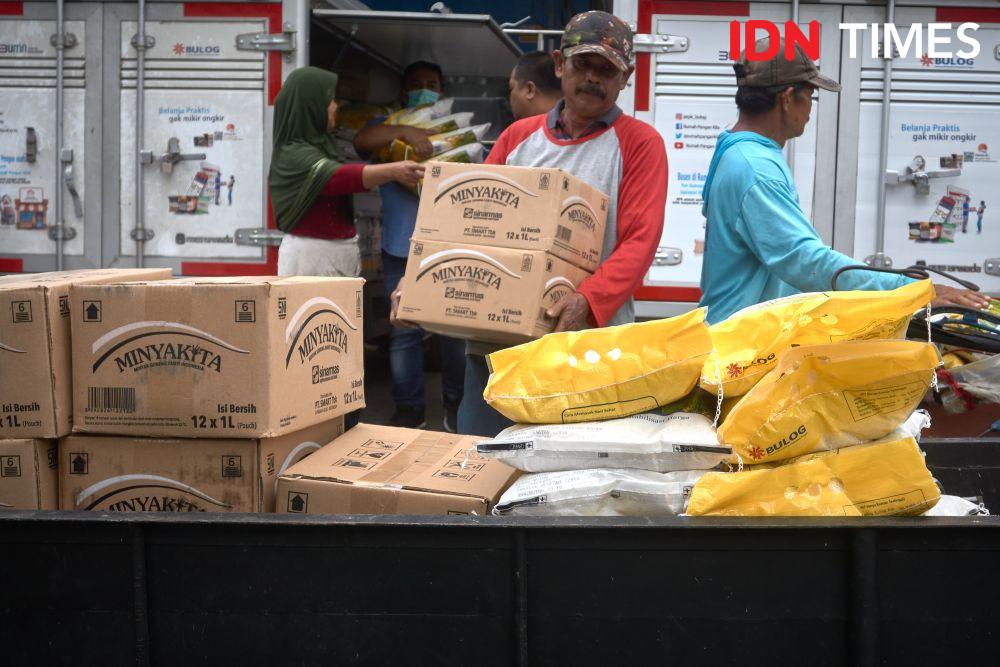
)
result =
(589, 136)
(422, 84)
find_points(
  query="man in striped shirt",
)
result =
(587, 135)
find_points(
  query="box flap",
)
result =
(388, 457)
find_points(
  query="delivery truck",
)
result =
(892, 175)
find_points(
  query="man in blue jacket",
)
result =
(759, 244)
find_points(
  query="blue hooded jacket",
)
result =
(759, 245)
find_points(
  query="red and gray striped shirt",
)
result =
(624, 158)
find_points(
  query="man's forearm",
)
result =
(376, 137)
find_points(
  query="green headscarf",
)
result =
(305, 155)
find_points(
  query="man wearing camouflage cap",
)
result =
(759, 244)
(588, 135)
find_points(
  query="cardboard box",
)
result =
(529, 208)
(226, 357)
(28, 474)
(123, 474)
(497, 295)
(36, 385)
(387, 470)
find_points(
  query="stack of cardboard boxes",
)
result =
(124, 391)
(36, 380)
(495, 247)
(204, 390)
(182, 395)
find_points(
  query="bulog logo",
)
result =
(144, 345)
(135, 493)
(787, 440)
(316, 327)
(180, 49)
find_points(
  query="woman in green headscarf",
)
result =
(309, 184)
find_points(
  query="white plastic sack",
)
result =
(649, 441)
(914, 424)
(955, 506)
(599, 492)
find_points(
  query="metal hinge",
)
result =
(660, 44)
(69, 40)
(666, 256)
(259, 237)
(879, 260)
(991, 266)
(144, 234)
(61, 232)
(150, 42)
(265, 41)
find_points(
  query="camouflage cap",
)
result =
(600, 33)
(779, 71)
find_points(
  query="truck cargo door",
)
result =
(943, 152)
(206, 138)
(688, 97)
(29, 164)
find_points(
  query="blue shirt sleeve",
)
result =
(774, 227)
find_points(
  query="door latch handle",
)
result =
(31, 145)
(171, 157)
(70, 181)
(917, 174)
(174, 156)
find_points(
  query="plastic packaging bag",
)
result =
(823, 397)
(599, 374)
(883, 478)
(598, 492)
(955, 506)
(440, 143)
(749, 343)
(421, 114)
(469, 153)
(980, 378)
(448, 123)
(356, 116)
(650, 441)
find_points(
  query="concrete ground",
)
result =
(378, 395)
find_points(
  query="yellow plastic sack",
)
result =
(599, 374)
(748, 344)
(884, 478)
(823, 397)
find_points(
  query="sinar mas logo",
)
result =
(141, 346)
(464, 265)
(482, 186)
(319, 325)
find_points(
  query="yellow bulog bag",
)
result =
(823, 397)
(749, 343)
(599, 374)
(883, 478)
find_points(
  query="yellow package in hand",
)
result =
(599, 374)
(822, 397)
(883, 478)
(749, 343)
